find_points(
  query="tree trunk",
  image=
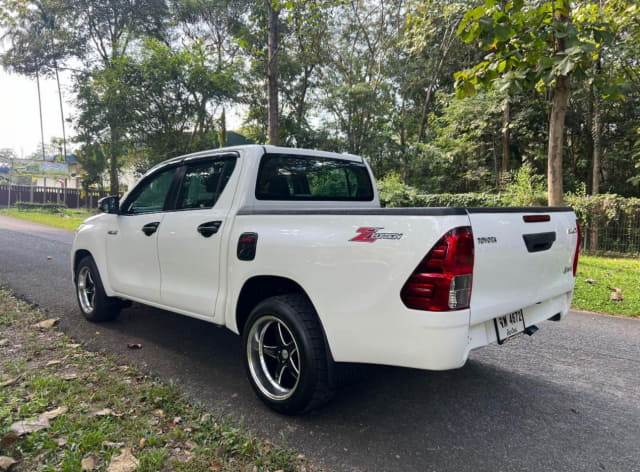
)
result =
(40, 109)
(557, 119)
(506, 119)
(222, 133)
(113, 160)
(272, 76)
(556, 141)
(596, 133)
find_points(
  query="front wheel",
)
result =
(286, 357)
(92, 299)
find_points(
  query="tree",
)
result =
(217, 26)
(356, 83)
(108, 29)
(171, 94)
(272, 73)
(537, 45)
(38, 44)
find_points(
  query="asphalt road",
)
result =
(566, 399)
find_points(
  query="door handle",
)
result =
(539, 241)
(150, 228)
(209, 228)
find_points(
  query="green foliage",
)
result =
(393, 193)
(523, 42)
(603, 209)
(525, 189)
(44, 207)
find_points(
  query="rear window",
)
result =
(291, 177)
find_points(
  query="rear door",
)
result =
(190, 239)
(522, 257)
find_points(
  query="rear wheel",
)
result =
(286, 357)
(92, 299)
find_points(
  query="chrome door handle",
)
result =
(112, 232)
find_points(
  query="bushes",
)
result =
(45, 207)
(609, 222)
(394, 193)
(525, 189)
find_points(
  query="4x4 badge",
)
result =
(371, 235)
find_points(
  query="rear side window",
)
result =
(291, 177)
(203, 183)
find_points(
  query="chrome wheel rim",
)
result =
(274, 358)
(86, 289)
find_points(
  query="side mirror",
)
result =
(109, 204)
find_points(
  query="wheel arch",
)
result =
(261, 287)
(77, 257)
(83, 252)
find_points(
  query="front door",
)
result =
(190, 238)
(132, 244)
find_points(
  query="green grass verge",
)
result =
(110, 407)
(66, 219)
(605, 274)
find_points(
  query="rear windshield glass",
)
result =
(291, 177)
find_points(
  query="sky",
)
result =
(19, 117)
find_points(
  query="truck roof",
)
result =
(267, 149)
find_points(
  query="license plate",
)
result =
(509, 325)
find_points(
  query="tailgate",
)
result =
(518, 263)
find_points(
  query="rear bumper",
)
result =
(438, 341)
(484, 333)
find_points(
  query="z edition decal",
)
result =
(371, 235)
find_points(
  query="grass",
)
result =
(161, 428)
(66, 219)
(605, 274)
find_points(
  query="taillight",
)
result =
(577, 254)
(536, 218)
(442, 281)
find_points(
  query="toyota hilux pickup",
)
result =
(290, 249)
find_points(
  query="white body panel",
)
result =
(525, 278)
(354, 286)
(133, 256)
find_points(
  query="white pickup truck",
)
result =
(290, 249)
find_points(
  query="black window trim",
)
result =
(135, 194)
(170, 201)
(266, 155)
(229, 158)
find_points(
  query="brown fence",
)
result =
(73, 198)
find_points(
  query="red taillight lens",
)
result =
(578, 243)
(442, 280)
(536, 218)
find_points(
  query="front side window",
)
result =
(290, 177)
(203, 183)
(150, 195)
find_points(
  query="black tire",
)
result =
(287, 331)
(97, 306)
